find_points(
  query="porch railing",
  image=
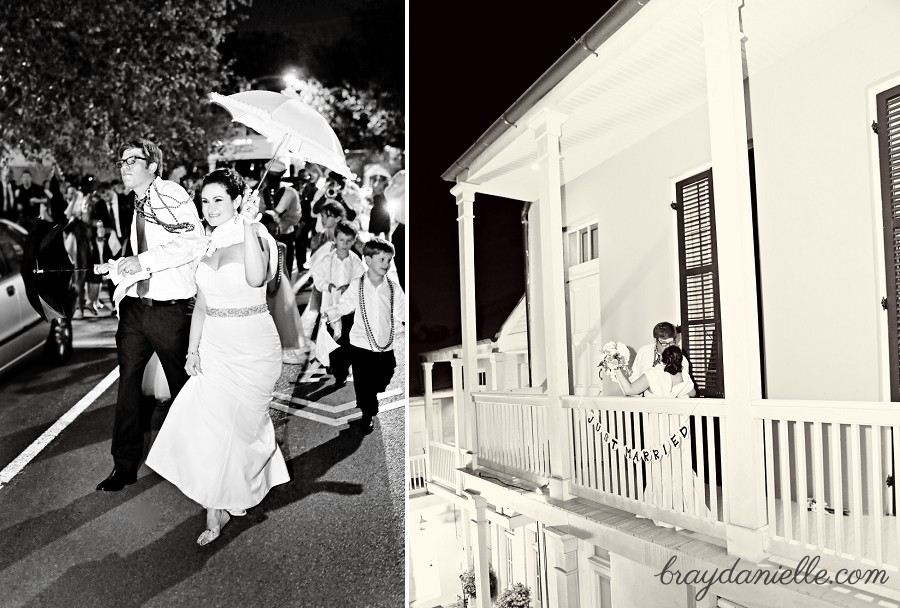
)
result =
(443, 463)
(830, 471)
(417, 474)
(515, 438)
(657, 458)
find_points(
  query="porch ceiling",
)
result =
(647, 75)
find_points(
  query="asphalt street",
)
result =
(332, 537)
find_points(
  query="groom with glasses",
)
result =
(156, 284)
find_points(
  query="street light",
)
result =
(291, 78)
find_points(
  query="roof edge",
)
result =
(619, 14)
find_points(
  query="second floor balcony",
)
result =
(825, 469)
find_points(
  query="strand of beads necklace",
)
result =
(142, 205)
(370, 336)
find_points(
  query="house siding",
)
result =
(819, 210)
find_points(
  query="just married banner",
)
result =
(639, 455)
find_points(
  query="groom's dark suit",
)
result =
(156, 320)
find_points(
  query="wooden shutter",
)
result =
(701, 320)
(889, 159)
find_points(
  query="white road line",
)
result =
(390, 393)
(334, 409)
(331, 421)
(16, 466)
(392, 406)
(314, 417)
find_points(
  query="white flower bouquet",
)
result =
(615, 356)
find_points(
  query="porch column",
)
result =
(723, 40)
(547, 131)
(562, 568)
(493, 384)
(458, 417)
(427, 368)
(480, 551)
(465, 199)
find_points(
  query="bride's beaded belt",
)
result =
(243, 311)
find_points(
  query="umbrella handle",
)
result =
(45, 270)
(268, 165)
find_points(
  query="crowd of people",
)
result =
(300, 211)
(202, 279)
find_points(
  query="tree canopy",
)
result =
(361, 118)
(78, 77)
(356, 79)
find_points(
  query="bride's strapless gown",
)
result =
(217, 443)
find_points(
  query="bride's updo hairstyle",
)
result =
(229, 179)
(671, 358)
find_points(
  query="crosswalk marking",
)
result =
(283, 403)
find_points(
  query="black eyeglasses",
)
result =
(129, 161)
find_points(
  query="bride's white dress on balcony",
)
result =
(669, 486)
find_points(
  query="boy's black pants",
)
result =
(372, 371)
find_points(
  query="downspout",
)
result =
(617, 16)
(526, 207)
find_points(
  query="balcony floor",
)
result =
(871, 531)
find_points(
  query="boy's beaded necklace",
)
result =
(370, 336)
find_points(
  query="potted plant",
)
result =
(517, 596)
(467, 580)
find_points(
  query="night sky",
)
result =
(465, 69)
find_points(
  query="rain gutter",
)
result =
(619, 14)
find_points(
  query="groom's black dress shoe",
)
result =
(116, 481)
(364, 425)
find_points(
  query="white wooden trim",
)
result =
(867, 413)
(585, 269)
(600, 566)
(683, 407)
(507, 397)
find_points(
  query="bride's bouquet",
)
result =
(615, 356)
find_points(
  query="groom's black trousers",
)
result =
(164, 328)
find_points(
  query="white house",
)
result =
(737, 162)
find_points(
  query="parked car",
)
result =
(23, 332)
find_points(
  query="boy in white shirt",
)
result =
(379, 305)
(331, 275)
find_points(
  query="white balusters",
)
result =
(417, 468)
(856, 491)
(664, 488)
(837, 487)
(839, 459)
(784, 451)
(877, 507)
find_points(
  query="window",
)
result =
(888, 103)
(534, 565)
(701, 323)
(11, 251)
(601, 592)
(482, 378)
(584, 244)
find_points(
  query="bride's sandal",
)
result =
(212, 534)
(240, 513)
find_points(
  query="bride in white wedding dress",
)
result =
(217, 443)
